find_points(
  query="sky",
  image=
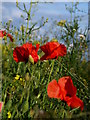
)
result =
(46, 0)
(56, 11)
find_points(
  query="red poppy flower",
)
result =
(22, 53)
(66, 91)
(1, 104)
(3, 33)
(53, 50)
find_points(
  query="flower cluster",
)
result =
(27, 52)
(20, 79)
(66, 91)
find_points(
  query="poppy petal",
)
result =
(1, 104)
(75, 102)
(11, 37)
(2, 33)
(62, 50)
(43, 57)
(67, 87)
(52, 55)
(37, 47)
(49, 47)
(28, 46)
(20, 54)
(44, 49)
(34, 56)
(52, 46)
(53, 89)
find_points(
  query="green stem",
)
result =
(39, 70)
(44, 97)
(28, 21)
(74, 109)
(51, 71)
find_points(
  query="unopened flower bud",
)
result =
(74, 30)
(31, 60)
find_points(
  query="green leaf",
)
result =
(22, 16)
(8, 105)
(25, 106)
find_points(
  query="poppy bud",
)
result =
(27, 77)
(31, 59)
(1, 104)
(38, 57)
(74, 30)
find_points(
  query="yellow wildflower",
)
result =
(17, 77)
(61, 23)
(21, 79)
(9, 114)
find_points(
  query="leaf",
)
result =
(8, 105)
(22, 16)
(25, 106)
(13, 113)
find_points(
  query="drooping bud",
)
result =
(27, 76)
(74, 30)
(38, 57)
(31, 60)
